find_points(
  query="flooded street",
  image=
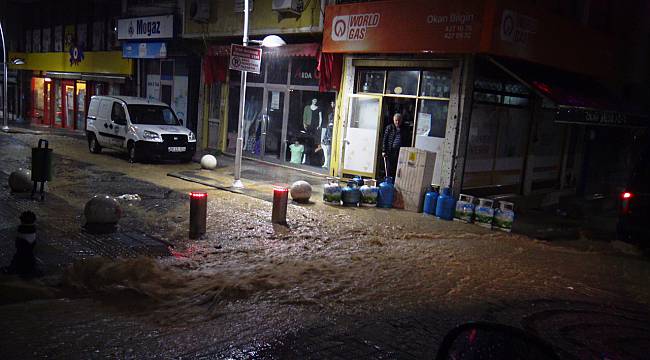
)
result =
(334, 283)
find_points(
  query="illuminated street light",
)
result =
(269, 41)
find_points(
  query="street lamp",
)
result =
(17, 61)
(269, 41)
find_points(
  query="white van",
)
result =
(143, 128)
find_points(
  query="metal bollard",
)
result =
(279, 212)
(198, 213)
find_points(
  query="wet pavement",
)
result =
(336, 283)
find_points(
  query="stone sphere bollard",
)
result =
(300, 191)
(208, 162)
(20, 181)
(102, 213)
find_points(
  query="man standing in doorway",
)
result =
(391, 144)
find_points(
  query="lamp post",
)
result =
(5, 111)
(269, 41)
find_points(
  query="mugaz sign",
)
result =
(149, 27)
(353, 27)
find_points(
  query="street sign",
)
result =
(245, 58)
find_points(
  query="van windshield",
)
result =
(152, 115)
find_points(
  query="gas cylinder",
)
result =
(350, 195)
(332, 192)
(430, 200)
(358, 180)
(504, 216)
(464, 208)
(445, 205)
(386, 193)
(369, 192)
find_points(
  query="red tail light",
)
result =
(626, 195)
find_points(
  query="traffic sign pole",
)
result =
(242, 105)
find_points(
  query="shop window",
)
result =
(303, 71)
(278, 69)
(252, 118)
(497, 146)
(371, 81)
(58, 104)
(432, 118)
(307, 129)
(81, 104)
(38, 103)
(253, 77)
(402, 82)
(436, 84)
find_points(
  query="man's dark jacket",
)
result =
(389, 138)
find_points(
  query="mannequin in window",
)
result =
(326, 136)
(297, 151)
(312, 119)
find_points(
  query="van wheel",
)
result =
(93, 144)
(133, 155)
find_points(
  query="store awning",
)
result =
(289, 50)
(579, 99)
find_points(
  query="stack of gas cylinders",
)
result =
(438, 202)
(483, 212)
(359, 192)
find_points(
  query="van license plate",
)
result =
(176, 148)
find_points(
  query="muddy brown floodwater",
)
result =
(248, 283)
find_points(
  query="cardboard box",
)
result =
(413, 176)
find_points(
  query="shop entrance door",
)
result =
(274, 125)
(68, 104)
(48, 102)
(391, 106)
(361, 135)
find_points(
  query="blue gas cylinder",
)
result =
(445, 205)
(386, 193)
(351, 195)
(358, 180)
(430, 200)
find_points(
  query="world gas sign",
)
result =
(353, 27)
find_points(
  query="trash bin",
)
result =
(42, 162)
(41, 165)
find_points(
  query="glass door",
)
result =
(81, 105)
(360, 142)
(253, 121)
(58, 104)
(68, 87)
(273, 124)
(49, 103)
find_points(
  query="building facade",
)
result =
(508, 94)
(287, 113)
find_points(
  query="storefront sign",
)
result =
(507, 28)
(150, 27)
(245, 58)
(388, 27)
(148, 50)
(599, 117)
(76, 55)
